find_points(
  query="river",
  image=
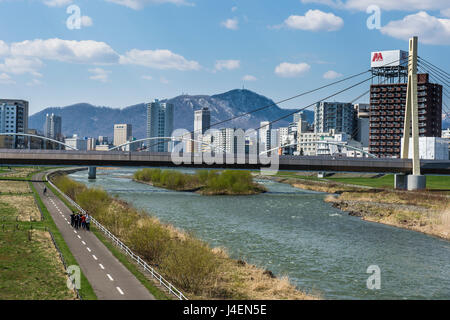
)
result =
(294, 232)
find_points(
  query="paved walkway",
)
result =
(107, 275)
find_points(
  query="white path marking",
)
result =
(120, 290)
(110, 278)
(74, 231)
(83, 242)
(88, 249)
(101, 266)
(79, 237)
(95, 258)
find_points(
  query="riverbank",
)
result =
(190, 264)
(426, 212)
(204, 182)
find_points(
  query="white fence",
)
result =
(163, 282)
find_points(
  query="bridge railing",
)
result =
(163, 282)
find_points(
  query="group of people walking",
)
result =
(78, 221)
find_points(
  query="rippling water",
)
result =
(294, 232)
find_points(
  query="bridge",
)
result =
(161, 159)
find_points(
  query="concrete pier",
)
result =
(400, 181)
(92, 173)
(417, 182)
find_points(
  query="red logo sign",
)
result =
(377, 56)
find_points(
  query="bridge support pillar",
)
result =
(92, 173)
(417, 182)
(400, 181)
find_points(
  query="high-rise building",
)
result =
(265, 136)
(122, 134)
(13, 119)
(361, 132)
(159, 124)
(52, 127)
(336, 116)
(202, 122)
(387, 110)
(299, 116)
(388, 102)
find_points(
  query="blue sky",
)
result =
(133, 51)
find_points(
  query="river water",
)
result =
(294, 232)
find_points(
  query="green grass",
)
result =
(27, 272)
(385, 182)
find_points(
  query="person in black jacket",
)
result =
(72, 219)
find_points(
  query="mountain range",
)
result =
(85, 119)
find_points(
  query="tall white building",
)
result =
(202, 123)
(336, 116)
(77, 143)
(159, 124)
(52, 127)
(265, 136)
(14, 119)
(122, 134)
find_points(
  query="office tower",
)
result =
(122, 134)
(336, 116)
(299, 116)
(361, 132)
(159, 124)
(14, 119)
(265, 136)
(387, 110)
(52, 127)
(202, 122)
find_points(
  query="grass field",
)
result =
(385, 182)
(31, 269)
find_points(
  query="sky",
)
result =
(119, 53)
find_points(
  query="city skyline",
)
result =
(275, 50)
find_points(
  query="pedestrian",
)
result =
(83, 221)
(72, 219)
(76, 222)
(88, 222)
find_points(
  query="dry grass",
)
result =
(14, 187)
(19, 172)
(24, 205)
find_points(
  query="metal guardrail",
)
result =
(163, 282)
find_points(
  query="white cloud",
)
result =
(331, 74)
(4, 48)
(446, 12)
(232, 24)
(315, 20)
(99, 74)
(147, 77)
(163, 80)
(86, 21)
(290, 70)
(159, 59)
(249, 78)
(57, 3)
(21, 65)
(85, 51)
(429, 29)
(6, 79)
(227, 64)
(34, 82)
(403, 5)
(139, 4)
